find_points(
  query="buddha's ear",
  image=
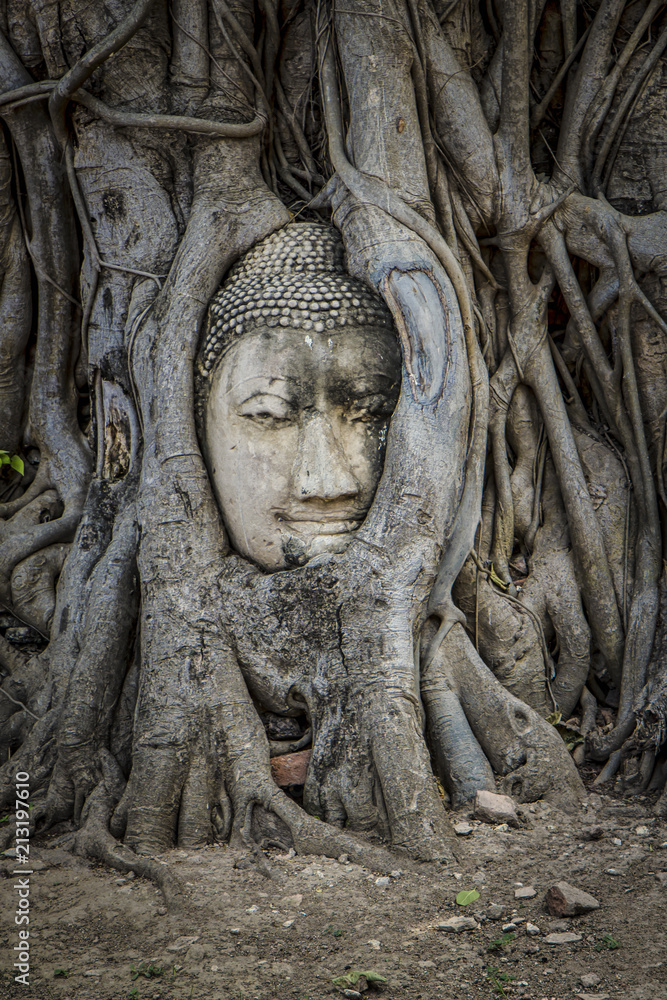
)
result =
(425, 463)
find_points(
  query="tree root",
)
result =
(518, 743)
(93, 840)
(33, 585)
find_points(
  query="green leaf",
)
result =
(147, 970)
(374, 977)
(61, 973)
(496, 579)
(608, 942)
(466, 896)
(4, 458)
(499, 943)
(17, 464)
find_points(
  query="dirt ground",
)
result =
(247, 936)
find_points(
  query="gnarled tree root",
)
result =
(519, 744)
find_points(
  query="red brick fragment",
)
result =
(290, 768)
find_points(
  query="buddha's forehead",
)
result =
(305, 363)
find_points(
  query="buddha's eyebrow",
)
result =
(262, 379)
(368, 382)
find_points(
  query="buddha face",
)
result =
(295, 427)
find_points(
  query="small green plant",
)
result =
(499, 943)
(147, 970)
(13, 461)
(607, 943)
(134, 992)
(497, 977)
(334, 931)
(61, 973)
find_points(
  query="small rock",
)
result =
(533, 949)
(526, 892)
(559, 925)
(616, 841)
(94, 972)
(594, 996)
(642, 831)
(121, 881)
(352, 994)
(427, 965)
(375, 945)
(565, 900)
(495, 911)
(182, 943)
(383, 882)
(493, 808)
(565, 937)
(344, 859)
(589, 980)
(463, 829)
(288, 923)
(243, 864)
(458, 924)
(296, 900)
(503, 828)
(195, 953)
(532, 929)
(397, 873)
(253, 909)
(161, 911)
(232, 930)
(592, 832)
(509, 928)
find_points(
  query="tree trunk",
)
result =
(487, 169)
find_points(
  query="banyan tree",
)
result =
(333, 394)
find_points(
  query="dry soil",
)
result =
(246, 936)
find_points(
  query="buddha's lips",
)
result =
(316, 523)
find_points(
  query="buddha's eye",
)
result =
(370, 409)
(267, 410)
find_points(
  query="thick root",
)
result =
(519, 744)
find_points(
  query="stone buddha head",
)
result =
(298, 375)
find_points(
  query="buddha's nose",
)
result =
(322, 470)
